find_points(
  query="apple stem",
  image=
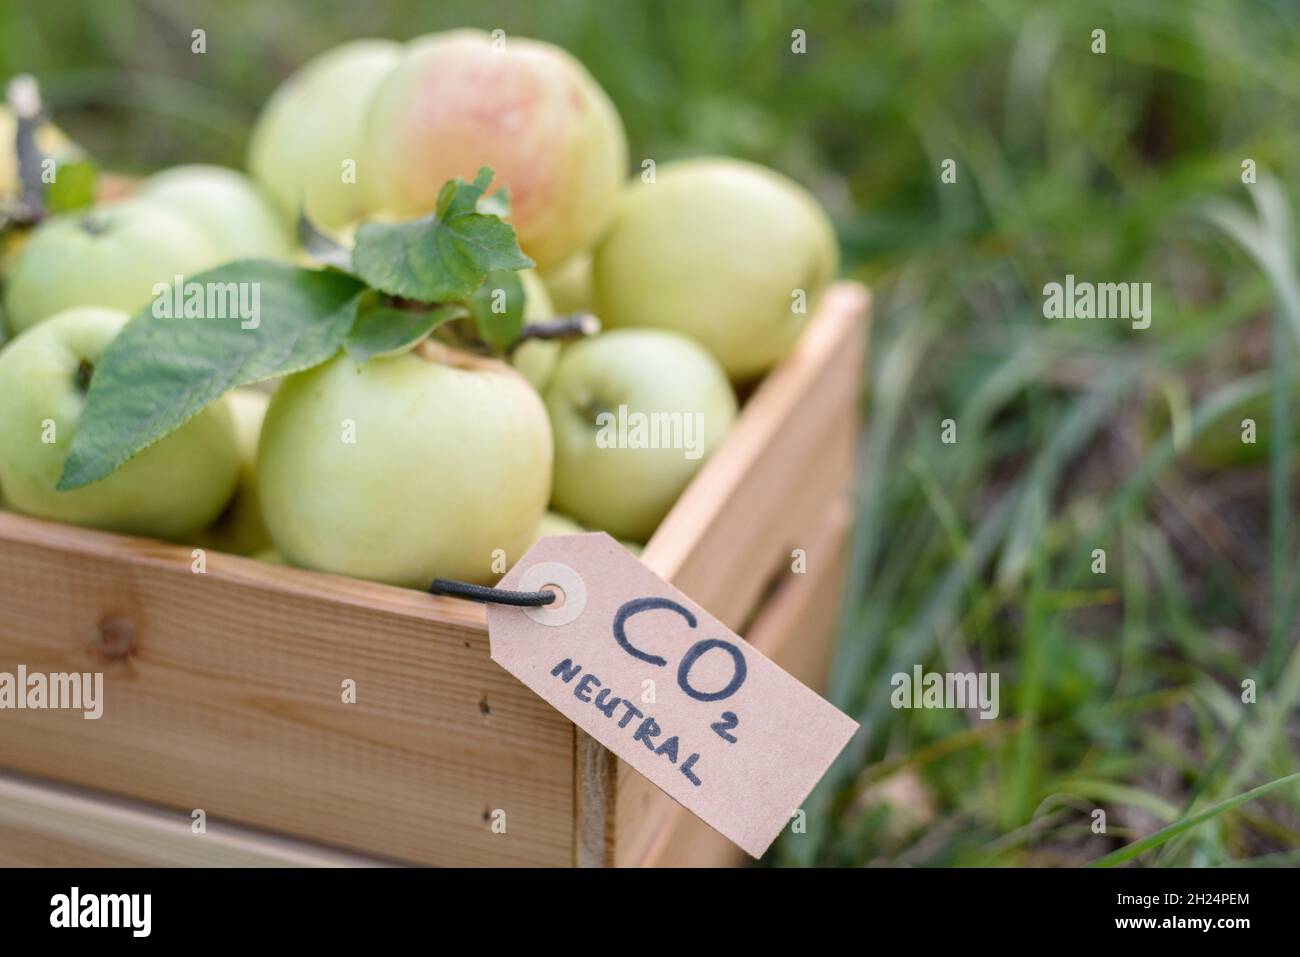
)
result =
(321, 246)
(562, 327)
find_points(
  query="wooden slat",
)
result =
(765, 493)
(796, 629)
(229, 700)
(47, 825)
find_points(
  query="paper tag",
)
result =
(667, 687)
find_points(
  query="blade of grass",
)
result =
(1130, 851)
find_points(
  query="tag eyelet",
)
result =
(567, 581)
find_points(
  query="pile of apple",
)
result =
(438, 459)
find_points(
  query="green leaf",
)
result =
(75, 186)
(161, 372)
(442, 257)
(384, 329)
(1130, 851)
(498, 308)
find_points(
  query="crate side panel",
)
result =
(777, 484)
(797, 630)
(224, 691)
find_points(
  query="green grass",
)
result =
(1121, 691)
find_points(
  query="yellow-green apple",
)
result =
(426, 465)
(732, 254)
(461, 100)
(230, 209)
(240, 529)
(635, 413)
(553, 523)
(535, 358)
(111, 256)
(307, 145)
(569, 284)
(171, 490)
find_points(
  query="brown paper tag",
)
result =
(667, 687)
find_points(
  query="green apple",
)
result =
(404, 469)
(536, 358)
(553, 523)
(240, 529)
(569, 285)
(230, 209)
(635, 413)
(111, 256)
(729, 253)
(307, 145)
(461, 100)
(171, 490)
(271, 556)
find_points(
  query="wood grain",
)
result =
(45, 825)
(229, 700)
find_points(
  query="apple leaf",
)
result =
(498, 307)
(383, 328)
(158, 373)
(443, 257)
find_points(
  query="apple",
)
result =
(461, 100)
(111, 256)
(407, 468)
(722, 251)
(553, 523)
(569, 285)
(229, 208)
(240, 529)
(307, 145)
(607, 477)
(171, 490)
(536, 358)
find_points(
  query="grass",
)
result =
(1122, 690)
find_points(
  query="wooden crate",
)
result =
(223, 689)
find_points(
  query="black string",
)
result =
(497, 596)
